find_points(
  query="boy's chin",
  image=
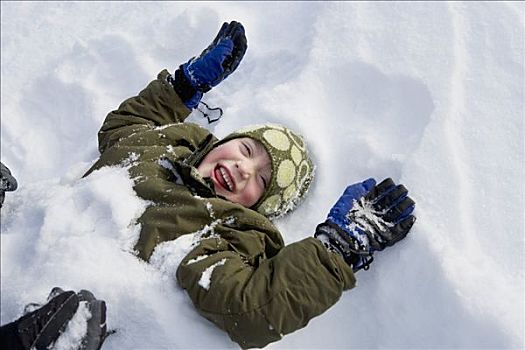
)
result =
(226, 194)
(229, 196)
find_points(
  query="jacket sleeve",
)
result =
(257, 300)
(158, 104)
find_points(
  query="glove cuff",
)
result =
(183, 87)
(337, 241)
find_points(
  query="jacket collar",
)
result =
(202, 149)
(187, 168)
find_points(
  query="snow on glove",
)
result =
(212, 66)
(96, 331)
(367, 218)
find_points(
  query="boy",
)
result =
(238, 272)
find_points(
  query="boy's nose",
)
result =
(244, 169)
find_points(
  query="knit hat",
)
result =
(292, 168)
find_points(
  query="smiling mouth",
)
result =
(223, 178)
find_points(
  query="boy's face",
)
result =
(240, 169)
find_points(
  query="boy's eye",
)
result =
(248, 150)
(265, 183)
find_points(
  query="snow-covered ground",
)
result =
(428, 93)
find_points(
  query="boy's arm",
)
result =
(170, 98)
(158, 104)
(259, 302)
(259, 299)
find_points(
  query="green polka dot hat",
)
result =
(292, 168)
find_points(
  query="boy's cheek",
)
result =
(247, 197)
(252, 196)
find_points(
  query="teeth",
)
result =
(226, 179)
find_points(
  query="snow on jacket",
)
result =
(255, 288)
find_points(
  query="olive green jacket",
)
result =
(259, 289)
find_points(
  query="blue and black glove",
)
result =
(213, 65)
(367, 218)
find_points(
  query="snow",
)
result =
(363, 217)
(167, 256)
(197, 259)
(428, 93)
(205, 279)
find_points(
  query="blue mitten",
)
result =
(212, 66)
(365, 219)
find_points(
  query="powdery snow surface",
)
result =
(428, 93)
